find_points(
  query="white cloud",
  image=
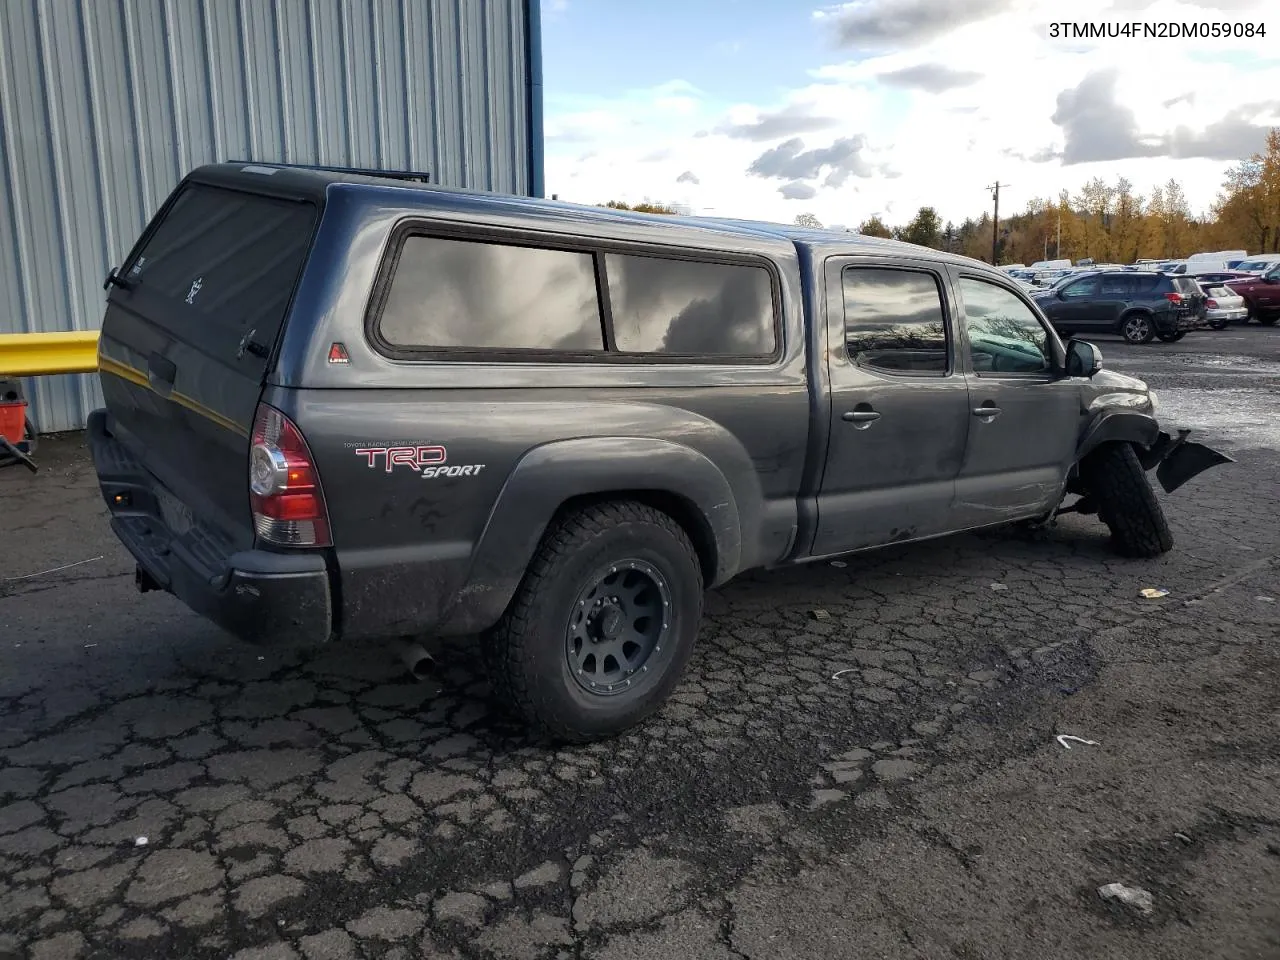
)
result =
(909, 110)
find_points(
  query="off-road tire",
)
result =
(525, 652)
(1128, 328)
(1126, 502)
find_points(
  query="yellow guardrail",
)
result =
(41, 354)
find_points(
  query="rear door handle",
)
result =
(987, 412)
(861, 416)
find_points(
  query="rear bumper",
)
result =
(280, 599)
(262, 598)
(1237, 313)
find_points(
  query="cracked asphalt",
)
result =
(862, 761)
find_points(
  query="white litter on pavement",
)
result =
(41, 573)
(140, 842)
(1130, 896)
(999, 586)
(1064, 737)
(840, 673)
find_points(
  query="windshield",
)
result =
(1254, 266)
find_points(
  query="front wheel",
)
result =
(602, 625)
(1126, 502)
(1137, 328)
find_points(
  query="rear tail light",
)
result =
(284, 488)
(1173, 297)
(1211, 304)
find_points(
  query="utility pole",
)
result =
(995, 221)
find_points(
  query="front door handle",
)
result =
(987, 411)
(861, 416)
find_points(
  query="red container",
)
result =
(13, 417)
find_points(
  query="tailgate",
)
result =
(189, 330)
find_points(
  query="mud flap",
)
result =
(1188, 459)
(1177, 459)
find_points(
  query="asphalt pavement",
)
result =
(863, 762)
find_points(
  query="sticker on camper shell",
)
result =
(429, 460)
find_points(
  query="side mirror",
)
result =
(1083, 358)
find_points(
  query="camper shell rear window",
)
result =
(220, 266)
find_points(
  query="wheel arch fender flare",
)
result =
(550, 475)
(1108, 425)
(1137, 312)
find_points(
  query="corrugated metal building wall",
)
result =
(105, 104)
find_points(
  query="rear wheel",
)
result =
(1137, 328)
(1171, 337)
(1268, 321)
(1126, 503)
(603, 624)
(1218, 324)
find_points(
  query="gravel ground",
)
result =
(863, 761)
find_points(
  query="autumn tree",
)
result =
(1125, 229)
(1094, 204)
(874, 227)
(1248, 209)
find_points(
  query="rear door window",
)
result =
(1116, 285)
(222, 265)
(895, 321)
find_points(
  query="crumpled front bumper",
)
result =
(1177, 459)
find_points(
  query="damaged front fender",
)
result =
(1177, 459)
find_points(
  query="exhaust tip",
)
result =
(420, 664)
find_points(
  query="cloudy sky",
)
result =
(769, 108)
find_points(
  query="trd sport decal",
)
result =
(429, 460)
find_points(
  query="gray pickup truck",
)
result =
(341, 407)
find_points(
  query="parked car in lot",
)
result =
(1223, 306)
(1261, 295)
(1258, 264)
(1210, 279)
(1137, 305)
(339, 408)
